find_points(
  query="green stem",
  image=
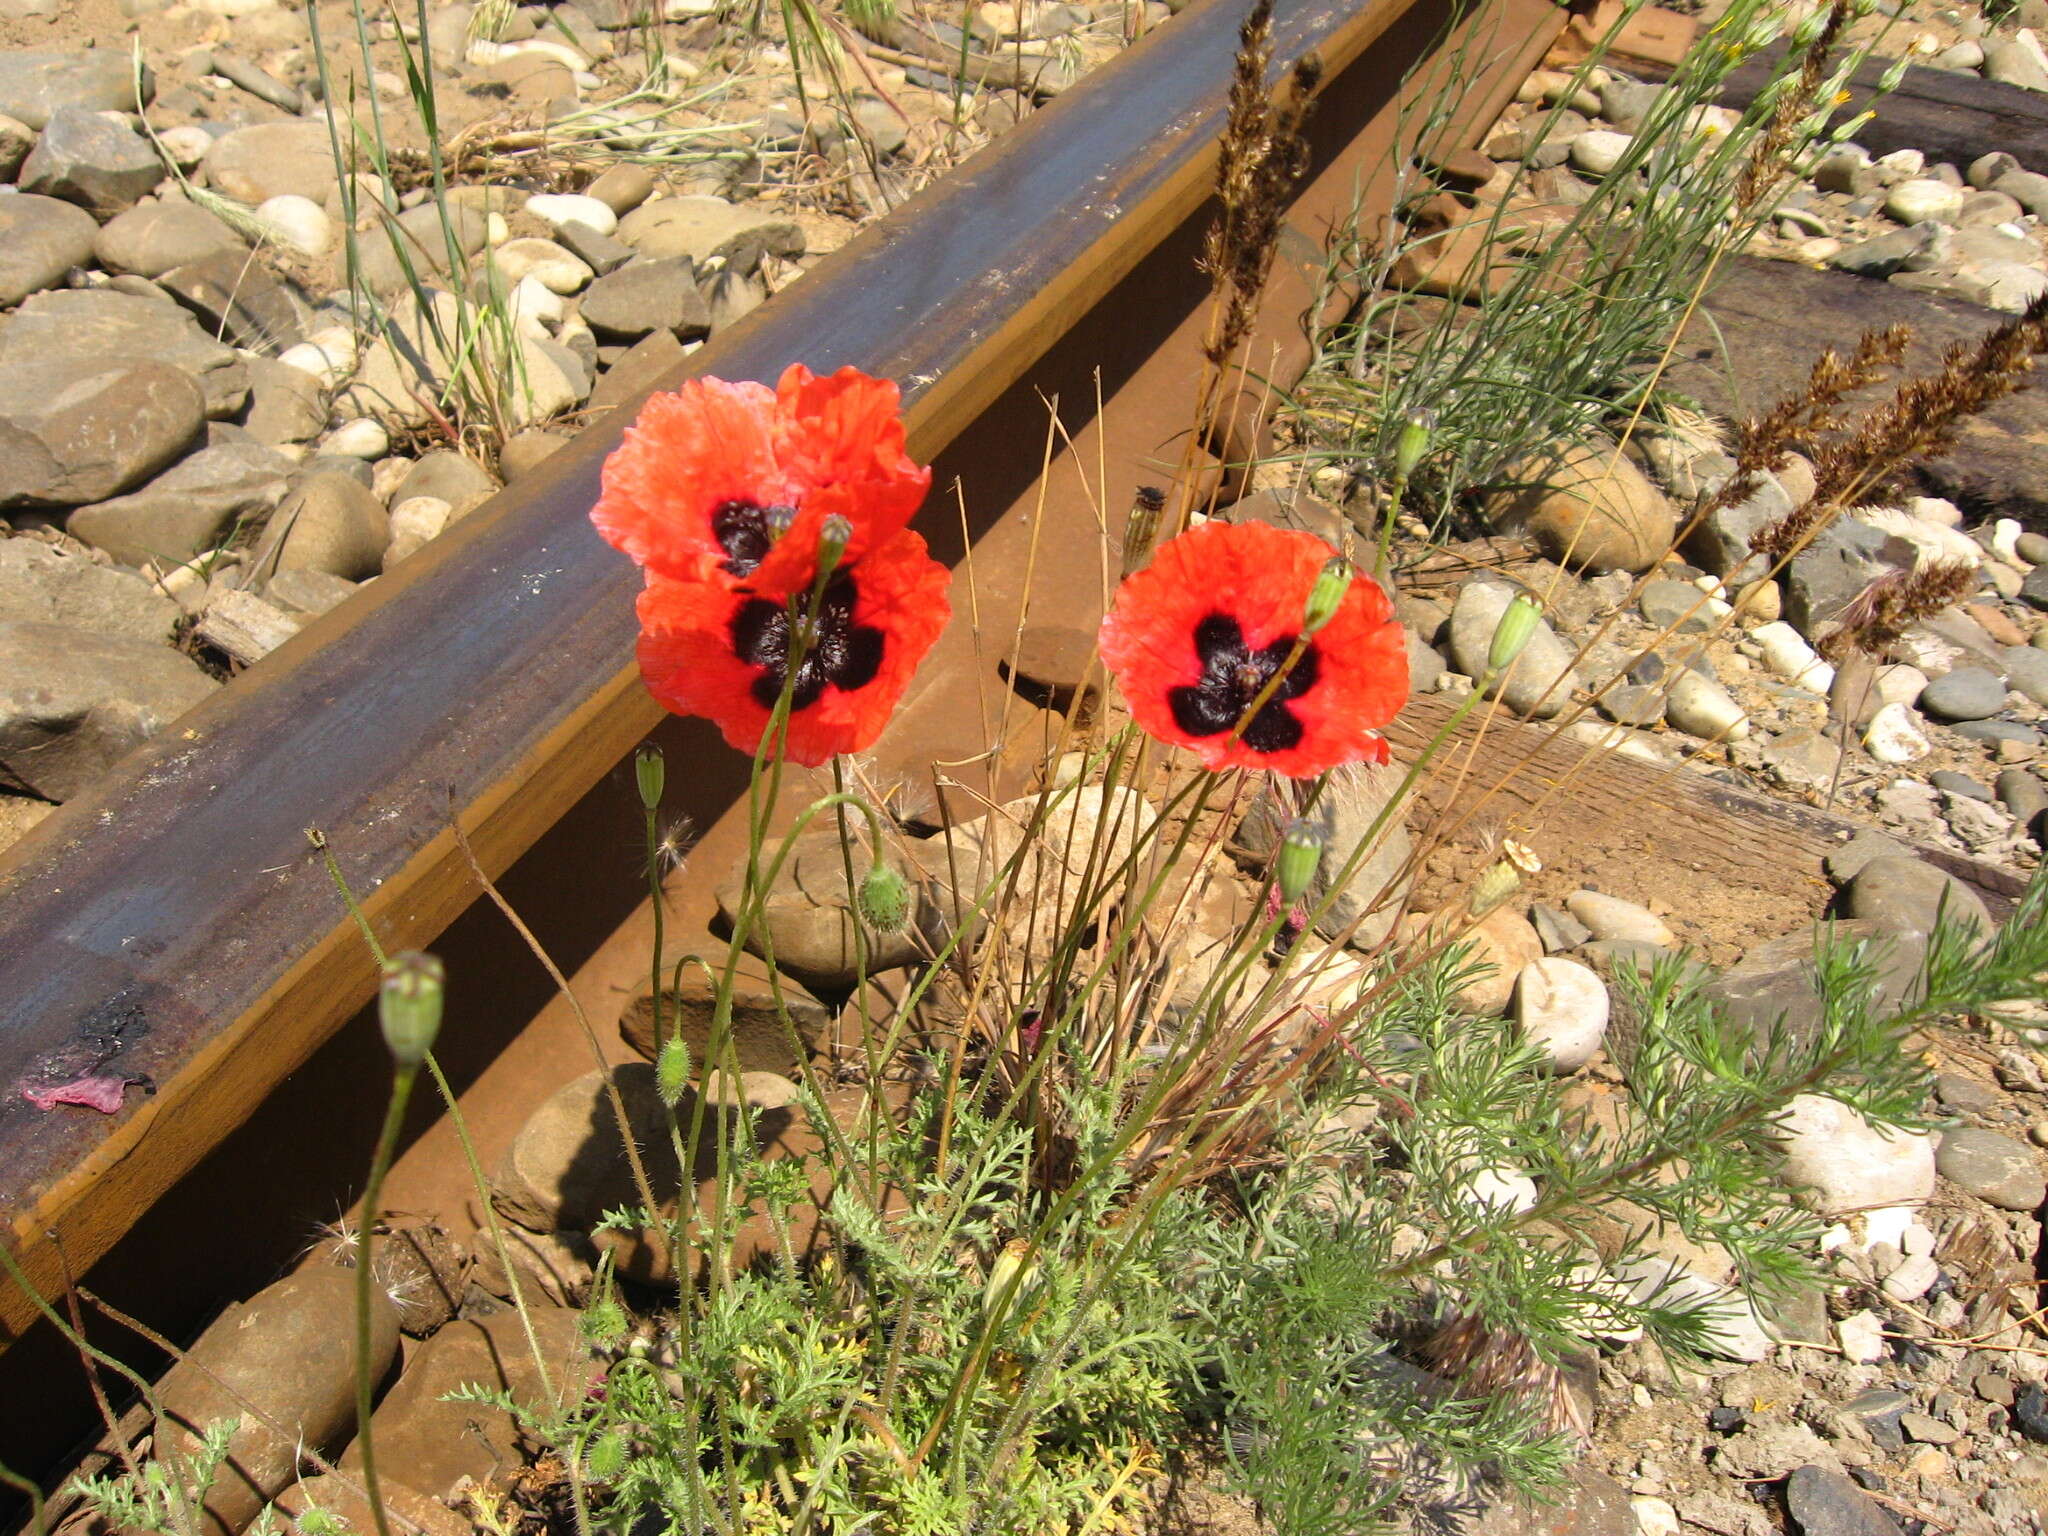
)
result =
(380, 1163)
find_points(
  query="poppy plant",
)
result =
(1203, 632)
(725, 494)
(739, 478)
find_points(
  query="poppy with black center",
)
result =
(1195, 637)
(741, 478)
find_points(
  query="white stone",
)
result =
(1562, 1007)
(1904, 164)
(363, 438)
(1930, 541)
(186, 144)
(1843, 1163)
(1861, 1335)
(1501, 1188)
(1654, 1517)
(1598, 150)
(2005, 539)
(2007, 286)
(1935, 509)
(1914, 1277)
(415, 522)
(329, 355)
(1785, 651)
(555, 269)
(547, 48)
(1910, 202)
(1609, 917)
(297, 222)
(1887, 1224)
(1618, 739)
(533, 309)
(1899, 683)
(558, 208)
(1701, 707)
(1734, 1331)
(1894, 735)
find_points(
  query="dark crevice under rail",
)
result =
(175, 925)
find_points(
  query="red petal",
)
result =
(94, 1091)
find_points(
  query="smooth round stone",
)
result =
(2032, 547)
(150, 239)
(1786, 653)
(1921, 198)
(1562, 1007)
(1701, 707)
(2026, 672)
(555, 269)
(329, 355)
(1994, 1168)
(1598, 150)
(362, 438)
(1967, 693)
(1674, 606)
(2007, 286)
(1911, 895)
(1847, 1164)
(186, 144)
(1997, 731)
(1949, 782)
(1610, 917)
(298, 222)
(1894, 735)
(558, 208)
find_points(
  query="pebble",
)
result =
(1562, 1006)
(2026, 673)
(1993, 1167)
(558, 208)
(556, 269)
(1861, 1335)
(1894, 735)
(152, 238)
(1846, 1164)
(361, 438)
(1598, 150)
(1786, 653)
(1912, 1278)
(1906, 894)
(1609, 918)
(1967, 693)
(1701, 707)
(41, 238)
(1919, 199)
(298, 223)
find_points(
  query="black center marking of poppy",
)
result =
(742, 530)
(844, 654)
(1232, 675)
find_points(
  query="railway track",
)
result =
(174, 927)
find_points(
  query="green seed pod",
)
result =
(1496, 883)
(1416, 428)
(833, 538)
(1010, 1268)
(409, 1006)
(1327, 595)
(1517, 624)
(672, 1070)
(884, 899)
(1301, 854)
(607, 1458)
(650, 773)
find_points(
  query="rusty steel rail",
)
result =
(174, 926)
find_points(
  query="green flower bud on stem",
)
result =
(1517, 624)
(884, 899)
(1327, 595)
(1413, 441)
(1496, 883)
(833, 538)
(672, 1070)
(409, 1006)
(1301, 854)
(650, 773)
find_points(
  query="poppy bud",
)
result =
(1496, 883)
(1517, 624)
(409, 1006)
(1413, 441)
(607, 1458)
(884, 899)
(833, 538)
(1010, 1276)
(1327, 595)
(1301, 854)
(778, 520)
(671, 1070)
(650, 773)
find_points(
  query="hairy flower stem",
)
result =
(402, 1078)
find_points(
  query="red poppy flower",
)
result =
(709, 647)
(1196, 635)
(736, 478)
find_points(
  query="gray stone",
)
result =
(108, 327)
(72, 702)
(2034, 589)
(647, 295)
(1352, 800)
(732, 296)
(1824, 576)
(1949, 782)
(1996, 731)
(151, 239)
(1967, 693)
(2027, 188)
(1844, 862)
(1882, 255)
(2026, 672)
(286, 404)
(526, 451)
(16, 140)
(600, 252)
(707, 228)
(308, 592)
(33, 85)
(93, 161)
(449, 476)
(1625, 103)
(422, 234)
(1699, 706)
(254, 164)
(1541, 681)
(644, 365)
(2007, 62)
(1720, 544)
(1674, 605)
(234, 296)
(1631, 704)
(2023, 794)
(1994, 1168)
(41, 238)
(40, 584)
(1905, 895)
(76, 430)
(189, 508)
(1773, 984)
(328, 523)
(1986, 170)
(1803, 759)
(1823, 1502)
(1847, 174)
(808, 915)
(1425, 664)
(1557, 928)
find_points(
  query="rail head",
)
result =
(174, 927)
